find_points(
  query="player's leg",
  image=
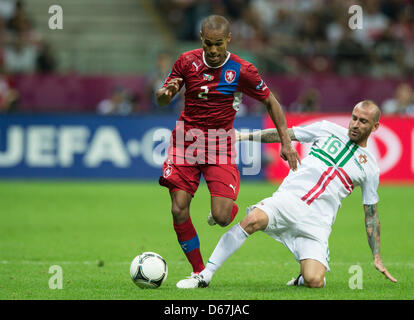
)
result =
(313, 257)
(232, 240)
(229, 243)
(256, 220)
(181, 192)
(180, 206)
(184, 228)
(223, 182)
(223, 210)
(313, 273)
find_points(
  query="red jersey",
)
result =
(212, 98)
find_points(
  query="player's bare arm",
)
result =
(373, 228)
(264, 136)
(165, 94)
(287, 152)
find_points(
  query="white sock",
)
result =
(227, 245)
(301, 282)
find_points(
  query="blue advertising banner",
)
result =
(89, 146)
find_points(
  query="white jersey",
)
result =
(328, 174)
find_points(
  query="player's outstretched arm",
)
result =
(164, 95)
(373, 227)
(287, 152)
(264, 136)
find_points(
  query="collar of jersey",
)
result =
(225, 61)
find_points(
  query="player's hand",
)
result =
(172, 87)
(380, 267)
(289, 154)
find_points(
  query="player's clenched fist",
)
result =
(173, 86)
(165, 94)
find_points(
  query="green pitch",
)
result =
(93, 230)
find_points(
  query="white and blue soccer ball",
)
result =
(148, 270)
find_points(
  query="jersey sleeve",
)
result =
(308, 133)
(252, 84)
(178, 71)
(369, 189)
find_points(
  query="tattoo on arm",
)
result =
(269, 136)
(372, 226)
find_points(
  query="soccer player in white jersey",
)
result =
(301, 212)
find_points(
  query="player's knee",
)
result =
(252, 223)
(221, 217)
(180, 212)
(314, 280)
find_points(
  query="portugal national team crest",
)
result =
(230, 76)
(362, 159)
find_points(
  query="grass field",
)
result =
(77, 224)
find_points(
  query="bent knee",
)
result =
(255, 221)
(222, 218)
(314, 281)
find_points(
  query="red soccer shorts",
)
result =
(222, 180)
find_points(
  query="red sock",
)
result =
(234, 211)
(189, 242)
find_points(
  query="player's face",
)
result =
(215, 46)
(361, 125)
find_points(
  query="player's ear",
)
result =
(229, 37)
(375, 127)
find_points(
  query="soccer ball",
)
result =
(148, 270)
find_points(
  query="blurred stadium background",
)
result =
(78, 102)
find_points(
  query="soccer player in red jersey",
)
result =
(215, 80)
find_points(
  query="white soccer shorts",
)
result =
(304, 240)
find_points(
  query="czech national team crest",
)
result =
(230, 76)
(167, 172)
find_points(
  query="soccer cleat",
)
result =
(293, 282)
(210, 219)
(195, 281)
